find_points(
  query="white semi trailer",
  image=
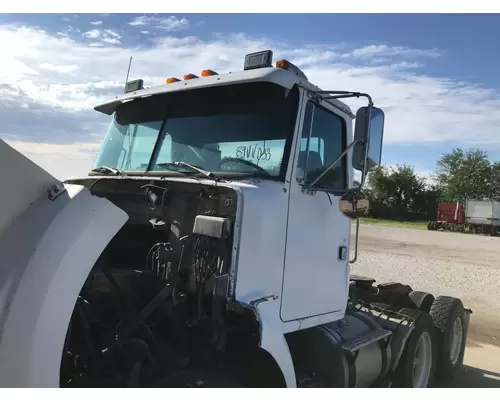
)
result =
(482, 216)
(210, 246)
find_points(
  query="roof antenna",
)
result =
(128, 72)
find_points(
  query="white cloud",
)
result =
(96, 22)
(386, 51)
(106, 35)
(50, 84)
(111, 40)
(111, 32)
(92, 34)
(168, 24)
(58, 68)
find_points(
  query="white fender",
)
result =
(45, 256)
(274, 342)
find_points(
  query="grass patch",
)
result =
(422, 225)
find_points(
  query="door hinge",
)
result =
(55, 191)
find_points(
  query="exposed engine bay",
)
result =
(157, 299)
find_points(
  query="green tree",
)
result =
(494, 181)
(465, 175)
(396, 192)
(426, 201)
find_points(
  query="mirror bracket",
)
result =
(338, 94)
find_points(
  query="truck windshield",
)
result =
(244, 128)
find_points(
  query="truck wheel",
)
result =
(417, 364)
(422, 300)
(198, 378)
(449, 318)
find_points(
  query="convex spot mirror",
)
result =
(376, 130)
(354, 204)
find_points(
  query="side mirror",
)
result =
(370, 135)
(354, 204)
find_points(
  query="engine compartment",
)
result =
(159, 297)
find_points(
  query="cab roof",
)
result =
(279, 76)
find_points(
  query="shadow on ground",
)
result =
(475, 378)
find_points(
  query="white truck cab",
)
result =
(213, 228)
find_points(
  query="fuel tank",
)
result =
(352, 352)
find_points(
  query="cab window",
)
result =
(323, 141)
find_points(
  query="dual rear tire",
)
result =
(417, 366)
(436, 346)
(448, 314)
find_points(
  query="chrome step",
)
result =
(363, 341)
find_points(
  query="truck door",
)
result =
(316, 271)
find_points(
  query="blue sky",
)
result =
(435, 75)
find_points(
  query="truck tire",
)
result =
(448, 314)
(417, 365)
(422, 300)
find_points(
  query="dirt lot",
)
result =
(460, 265)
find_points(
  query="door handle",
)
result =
(342, 253)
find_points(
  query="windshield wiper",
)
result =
(208, 174)
(105, 170)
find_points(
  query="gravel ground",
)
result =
(444, 263)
